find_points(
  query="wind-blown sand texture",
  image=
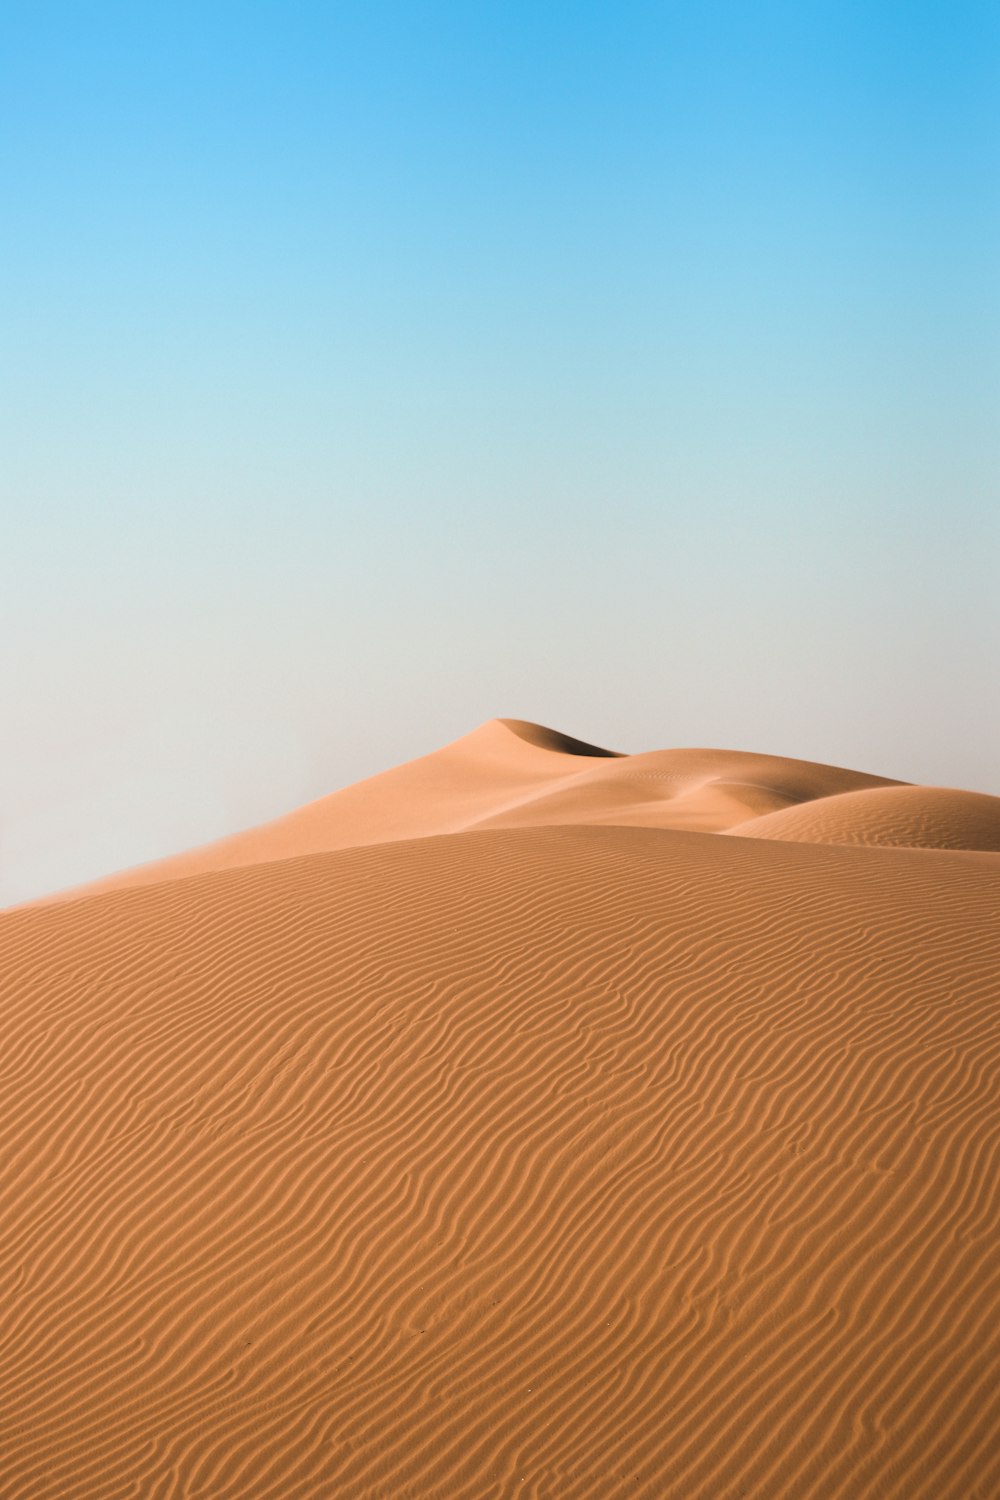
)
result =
(494, 1128)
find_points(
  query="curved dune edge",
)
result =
(553, 739)
(902, 817)
(509, 773)
(553, 1162)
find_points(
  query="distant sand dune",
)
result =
(511, 774)
(914, 817)
(571, 1161)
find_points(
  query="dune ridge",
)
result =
(901, 817)
(512, 774)
(567, 1161)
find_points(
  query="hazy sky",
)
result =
(370, 369)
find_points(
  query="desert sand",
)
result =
(529, 1120)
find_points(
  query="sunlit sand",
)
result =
(528, 1120)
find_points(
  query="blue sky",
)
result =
(372, 369)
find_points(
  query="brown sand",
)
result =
(512, 774)
(902, 817)
(588, 1159)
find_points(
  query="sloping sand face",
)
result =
(560, 1161)
(900, 817)
(512, 774)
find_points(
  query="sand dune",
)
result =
(558, 1161)
(512, 774)
(913, 817)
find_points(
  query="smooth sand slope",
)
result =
(509, 773)
(578, 1160)
(902, 817)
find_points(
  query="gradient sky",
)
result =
(371, 369)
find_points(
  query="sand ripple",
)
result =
(548, 1162)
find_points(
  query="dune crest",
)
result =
(902, 817)
(510, 773)
(552, 739)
